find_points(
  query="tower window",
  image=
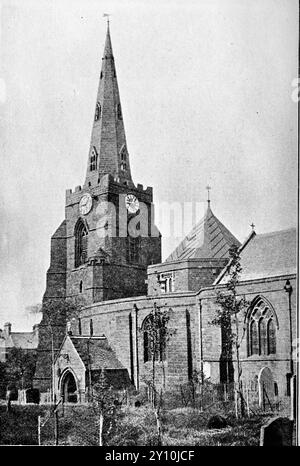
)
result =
(80, 287)
(93, 159)
(98, 111)
(81, 243)
(91, 328)
(123, 166)
(261, 328)
(101, 75)
(133, 249)
(79, 326)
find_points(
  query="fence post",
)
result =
(56, 427)
(236, 403)
(248, 407)
(39, 430)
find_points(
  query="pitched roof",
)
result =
(24, 340)
(97, 351)
(268, 255)
(208, 239)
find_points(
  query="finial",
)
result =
(208, 189)
(107, 15)
(252, 226)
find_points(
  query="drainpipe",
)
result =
(136, 346)
(289, 289)
(200, 340)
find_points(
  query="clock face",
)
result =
(85, 204)
(132, 204)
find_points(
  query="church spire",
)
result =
(108, 150)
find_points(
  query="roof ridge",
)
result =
(272, 233)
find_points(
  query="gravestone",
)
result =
(217, 422)
(277, 432)
(265, 388)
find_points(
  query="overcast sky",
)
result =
(206, 97)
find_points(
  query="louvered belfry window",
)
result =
(81, 243)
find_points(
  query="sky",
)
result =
(206, 90)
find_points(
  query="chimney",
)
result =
(7, 328)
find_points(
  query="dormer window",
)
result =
(119, 112)
(97, 111)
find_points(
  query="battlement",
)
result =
(107, 182)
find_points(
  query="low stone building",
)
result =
(27, 341)
(78, 366)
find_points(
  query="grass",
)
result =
(132, 427)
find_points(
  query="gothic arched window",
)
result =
(271, 337)
(133, 249)
(98, 111)
(253, 336)
(81, 243)
(93, 159)
(154, 341)
(262, 323)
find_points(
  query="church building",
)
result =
(106, 260)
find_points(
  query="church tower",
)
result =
(108, 234)
(103, 247)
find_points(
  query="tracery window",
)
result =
(262, 323)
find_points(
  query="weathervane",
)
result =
(252, 226)
(107, 15)
(208, 189)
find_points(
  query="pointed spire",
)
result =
(108, 149)
(108, 53)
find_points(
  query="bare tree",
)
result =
(104, 401)
(158, 335)
(230, 307)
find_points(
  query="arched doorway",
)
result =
(69, 388)
(266, 390)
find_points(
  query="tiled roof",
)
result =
(98, 350)
(208, 239)
(268, 255)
